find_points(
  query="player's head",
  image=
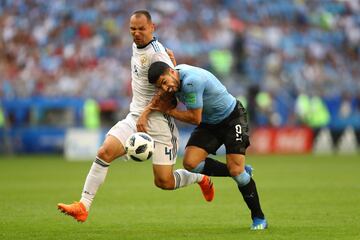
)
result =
(141, 27)
(163, 76)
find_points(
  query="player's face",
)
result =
(141, 30)
(169, 82)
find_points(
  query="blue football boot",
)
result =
(259, 224)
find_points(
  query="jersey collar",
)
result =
(180, 79)
(153, 40)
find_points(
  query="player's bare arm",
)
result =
(171, 55)
(192, 116)
(141, 124)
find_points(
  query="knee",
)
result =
(105, 154)
(164, 184)
(188, 165)
(235, 168)
(235, 171)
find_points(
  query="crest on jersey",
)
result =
(144, 60)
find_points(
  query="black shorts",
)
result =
(232, 132)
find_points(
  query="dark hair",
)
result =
(142, 12)
(156, 70)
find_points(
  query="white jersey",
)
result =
(142, 58)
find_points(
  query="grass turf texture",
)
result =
(303, 197)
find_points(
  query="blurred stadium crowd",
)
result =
(291, 60)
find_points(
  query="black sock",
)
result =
(215, 168)
(251, 198)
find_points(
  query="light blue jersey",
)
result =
(201, 89)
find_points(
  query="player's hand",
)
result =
(141, 124)
(171, 55)
(164, 101)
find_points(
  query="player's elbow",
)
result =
(197, 123)
(195, 116)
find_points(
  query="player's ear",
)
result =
(173, 73)
(152, 27)
(157, 83)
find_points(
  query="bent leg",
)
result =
(164, 159)
(196, 160)
(193, 156)
(167, 179)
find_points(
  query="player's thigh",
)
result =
(204, 138)
(193, 156)
(235, 163)
(235, 132)
(111, 149)
(123, 129)
(164, 154)
(113, 146)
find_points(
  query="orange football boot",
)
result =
(77, 210)
(207, 188)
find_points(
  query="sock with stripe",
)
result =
(94, 179)
(184, 178)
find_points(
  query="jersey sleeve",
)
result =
(161, 57)
(193, 90)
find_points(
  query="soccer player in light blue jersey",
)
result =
(220, 119)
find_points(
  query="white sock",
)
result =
(184, 178)
(94, 179)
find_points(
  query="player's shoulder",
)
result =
(191, 76)
(154, 46)
(188, 69)
(157, 46)
(183, 67)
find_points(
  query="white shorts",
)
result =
(161, 128)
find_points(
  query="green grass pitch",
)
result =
(303, 197)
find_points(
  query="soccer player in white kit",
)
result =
(161, 127)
